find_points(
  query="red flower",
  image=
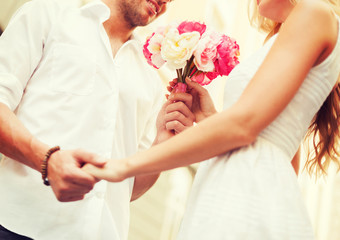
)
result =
(188, 26)
(228, 51)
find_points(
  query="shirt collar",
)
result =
(102, 12)
(97, 8)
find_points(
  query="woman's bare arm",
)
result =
(308, 33)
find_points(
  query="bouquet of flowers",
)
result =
(193, 50)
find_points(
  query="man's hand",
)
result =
(68, 181)
(175, 116)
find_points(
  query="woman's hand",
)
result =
(202, 105)
(112, 171)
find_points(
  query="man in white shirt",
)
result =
(76, 78)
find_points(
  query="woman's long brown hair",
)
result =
(323, 136)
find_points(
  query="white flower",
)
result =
(154, 48)
(178, 48)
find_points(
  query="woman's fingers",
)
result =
(197, 87)
(110, 172)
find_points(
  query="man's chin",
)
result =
(150, 20)
(146, 22)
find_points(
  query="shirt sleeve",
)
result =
(150, 130)
(21, 48)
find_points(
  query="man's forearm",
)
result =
(17, 142)
(143, 183)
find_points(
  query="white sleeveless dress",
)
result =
(252, 193)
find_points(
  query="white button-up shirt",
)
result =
(58, 75)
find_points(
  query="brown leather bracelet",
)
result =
(44, 164)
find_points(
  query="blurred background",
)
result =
(157, 215)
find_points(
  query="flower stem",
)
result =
(179, 75)
(194, 70)
(188, 67)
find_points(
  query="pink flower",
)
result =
(228, 51)
(188, 26)
(212, 75)
(206, 51)
(204, 78)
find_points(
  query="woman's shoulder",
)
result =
(317, 17)
(316, 11)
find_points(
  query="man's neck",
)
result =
(116, 27)
(116, 30)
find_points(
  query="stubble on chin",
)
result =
(132, 16)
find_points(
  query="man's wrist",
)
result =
(161, 137)
(36, 153)
(44, 164)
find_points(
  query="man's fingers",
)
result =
(172, 84)
(182, 108)
(69, 191)
(82, 178)
(68, 180)
(182, 97)
(175, 126)
(71, 198)
(177, 116)
(75, 198)
(91, 169)
(176, 121)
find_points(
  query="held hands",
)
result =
(68, 181)
(112, 171)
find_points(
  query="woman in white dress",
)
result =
(248, 188)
